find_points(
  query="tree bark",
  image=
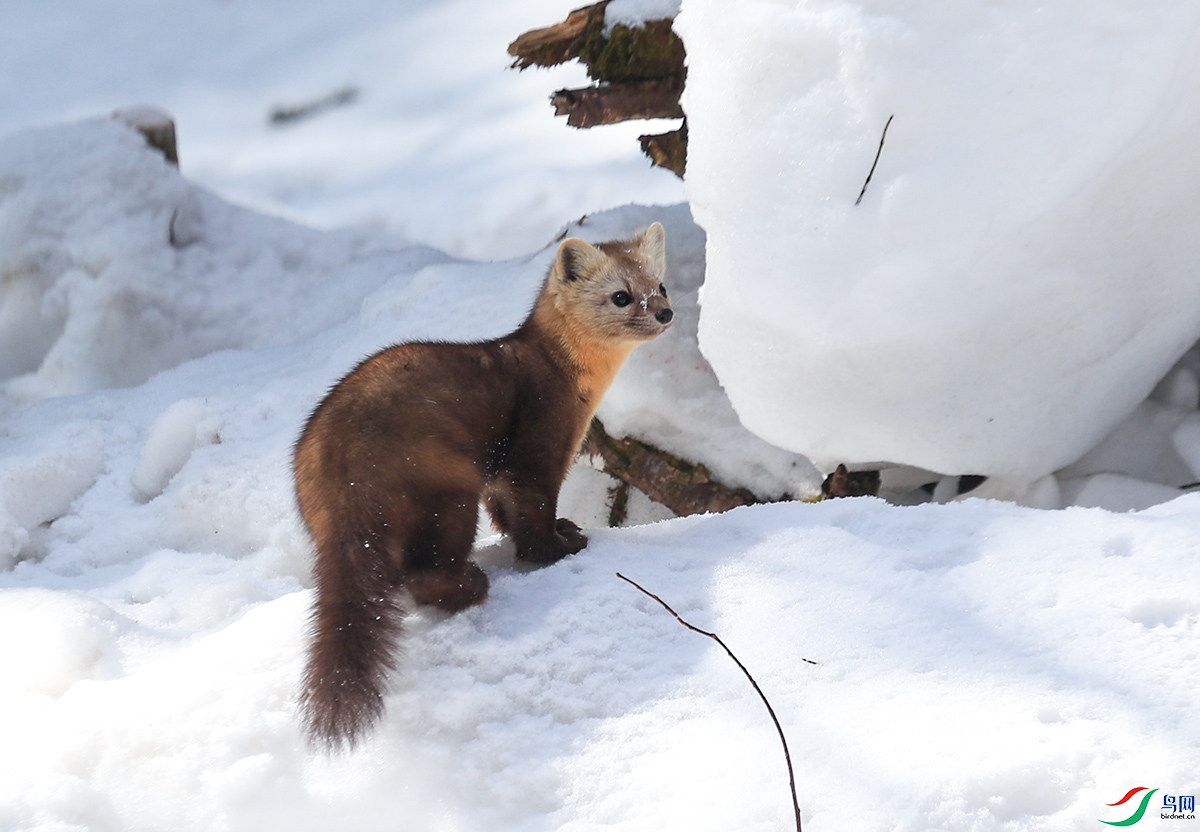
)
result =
(668, 150)
(553, 45)
(614, 103)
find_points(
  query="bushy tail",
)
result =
(355, 625)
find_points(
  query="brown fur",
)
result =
(393, 464)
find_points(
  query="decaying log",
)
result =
(155, 125)
(682, 486)
(612, 103)
(668, 150)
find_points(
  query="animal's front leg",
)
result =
(527, 515)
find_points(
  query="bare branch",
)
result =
(786, 754)
(876, 162)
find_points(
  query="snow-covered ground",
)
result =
(971, 666)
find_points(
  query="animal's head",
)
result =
(613, 291)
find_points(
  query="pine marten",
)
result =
(393, 464)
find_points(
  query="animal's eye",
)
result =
(622, 298)
(662, 290)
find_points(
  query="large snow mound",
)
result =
(1022, 268)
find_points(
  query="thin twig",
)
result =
(876, 162)
(786, 754)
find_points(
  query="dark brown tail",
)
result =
(355, 625)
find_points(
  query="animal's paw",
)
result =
(566, 539)
(572, 538)
(448, 590)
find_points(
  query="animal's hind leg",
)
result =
(438, 569)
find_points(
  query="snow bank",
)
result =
(95, 293)
(1021, 270)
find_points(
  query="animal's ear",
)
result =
(578, 259)
(653, 246)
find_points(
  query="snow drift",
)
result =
(1022, 269)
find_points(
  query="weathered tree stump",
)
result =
(639, 71)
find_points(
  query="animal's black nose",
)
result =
(664, 316)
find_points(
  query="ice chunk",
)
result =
(38, 487)
(1141, 447)
(1043, 493)
(172, 439)
(1186, 439)
(1179, 389)
(1116, 492)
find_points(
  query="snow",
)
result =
(1021, 271)
(979, 665)
(637, 12)
(443, 145)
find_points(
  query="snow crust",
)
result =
(979, 665)
(638, 12)
(1021, 271)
